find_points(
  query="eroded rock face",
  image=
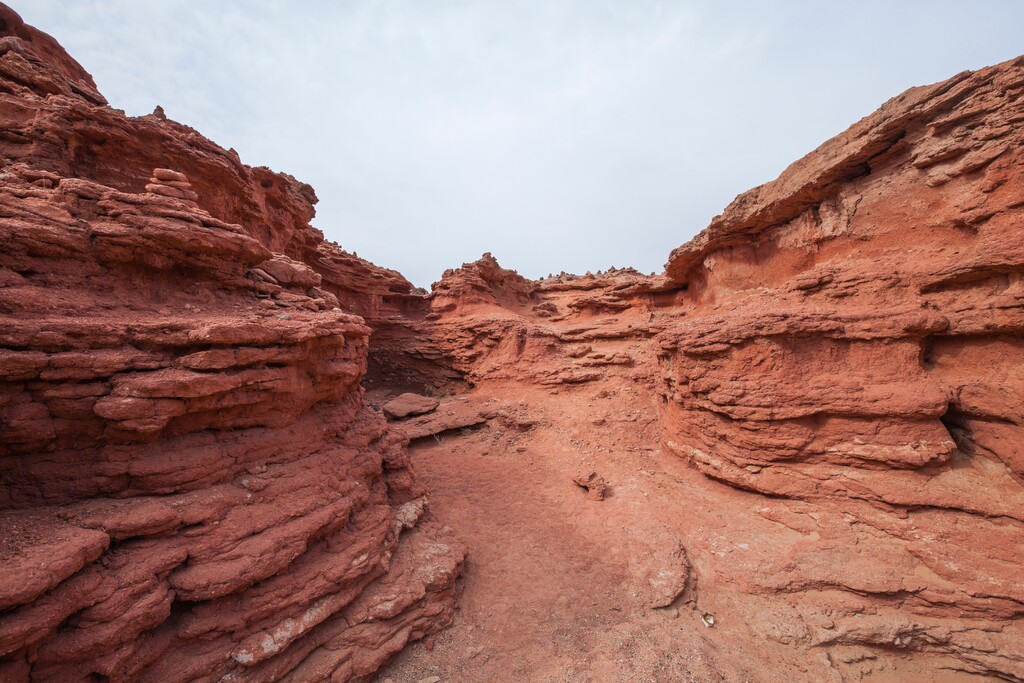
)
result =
(851, 336)
(192, 487)
(844, 344)
(46, 92)
(493, 325)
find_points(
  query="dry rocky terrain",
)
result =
(230, 450)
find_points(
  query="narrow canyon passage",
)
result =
(560, 585)
(793, 455)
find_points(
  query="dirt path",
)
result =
(559, 586)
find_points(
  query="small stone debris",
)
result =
(593, 483)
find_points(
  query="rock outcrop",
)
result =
(192, 486)
(492, 325)
(407, 405)
(808, 429)
(850, 335)
(847, 338)
(55, 121)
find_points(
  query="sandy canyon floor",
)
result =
(561, 586)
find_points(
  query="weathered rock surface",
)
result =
(192, 487)
(407, 405)
(806, 432)
(562, 331)
(450, 415)
(54, 121)
(842, 350)
(850, 335)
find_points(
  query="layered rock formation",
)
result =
(851, 336)
(193, 488)
(847, 337)
(55, 121)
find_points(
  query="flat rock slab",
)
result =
(452, 414)
(407, 405)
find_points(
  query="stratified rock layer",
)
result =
(53, 120)
(851, 336)
(843, 344)
(192, 487)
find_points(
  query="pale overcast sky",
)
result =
(566, 135)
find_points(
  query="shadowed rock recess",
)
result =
(803, 441)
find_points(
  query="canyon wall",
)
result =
(192, 486)
(851, 336)
(848, 338)
(55, 120)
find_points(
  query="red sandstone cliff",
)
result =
(843, 349)
(851, 336)
(192, 488)
(54, 121)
